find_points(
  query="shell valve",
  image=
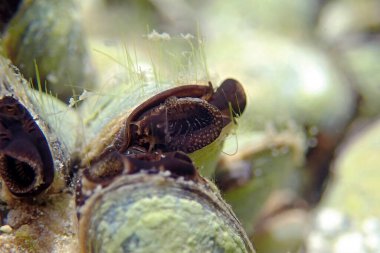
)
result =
(143, 193)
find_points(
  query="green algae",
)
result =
(160, 219)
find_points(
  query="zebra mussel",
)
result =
(145, 171)
(36, 157)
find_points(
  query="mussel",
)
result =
(26, 164)
(49, 34)
(143, 192)
(35, 150)
(158, 204)
(36, 154)
(138, 190)
(186, 118)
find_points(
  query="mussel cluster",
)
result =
(127, 158)
(145, 173)
(132, 187)
(122, 172)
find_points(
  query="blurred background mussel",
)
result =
(49, 35)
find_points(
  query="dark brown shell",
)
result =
(26, 164)
(184, 124)
(182, 119)
(178, 164)
(185, 118)
(195, 91)
(230, 98)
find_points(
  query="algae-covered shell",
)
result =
(49, 34)
(157, 213)
(139, 190)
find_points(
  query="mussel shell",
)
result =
(44, 114)
(156, 213)
(44, 220)
(109, 120)
(49, 34)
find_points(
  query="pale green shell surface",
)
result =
(100, 108)
(63, 121)
(49, 33)
(162, 215)
(348, 219)
(356, 176)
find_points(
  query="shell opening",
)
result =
(184, 124)
(19, 176)
(26, 164)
